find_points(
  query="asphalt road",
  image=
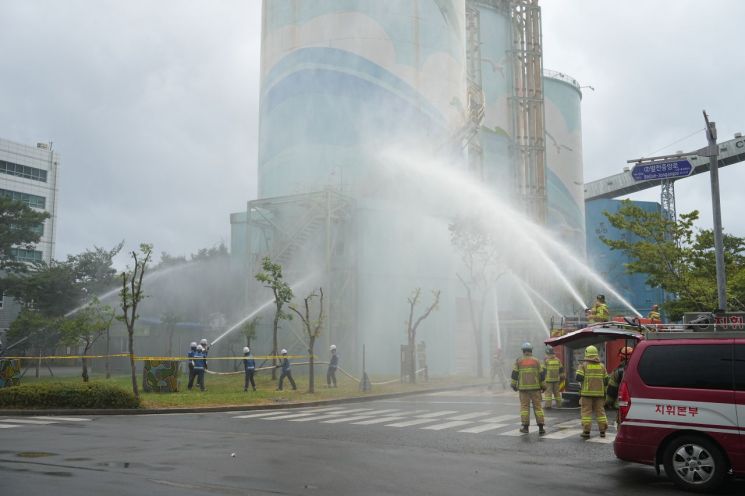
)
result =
(458, 443)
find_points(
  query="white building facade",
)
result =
(29, 174)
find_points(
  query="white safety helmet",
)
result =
(199, 348)
(284, 351)
(333, 347)
(203, 342)
(246, 350)
(193, 344)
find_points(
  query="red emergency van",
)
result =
(682, 406)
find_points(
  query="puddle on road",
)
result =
(58, 474)
(34, 454)
(114, 464)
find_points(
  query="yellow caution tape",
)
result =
(142, 358)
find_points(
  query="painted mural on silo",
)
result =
(496, 79)
(564, 172)
(341, 79)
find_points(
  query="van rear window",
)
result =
(688, 366)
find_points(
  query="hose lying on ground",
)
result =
(315, 363)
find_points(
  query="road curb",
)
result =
(229, 408)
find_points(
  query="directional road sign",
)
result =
(662, 170)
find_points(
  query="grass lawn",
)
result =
(227, 390)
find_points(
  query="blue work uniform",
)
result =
(286, 372)
(249, 365)
(200, 364)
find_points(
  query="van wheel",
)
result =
(694, 463)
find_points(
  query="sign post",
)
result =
(711, 135)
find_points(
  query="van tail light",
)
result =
(624, 402)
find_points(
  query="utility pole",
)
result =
(713, 152)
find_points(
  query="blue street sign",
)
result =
(662, 170)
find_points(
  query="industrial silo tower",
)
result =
(342, 80)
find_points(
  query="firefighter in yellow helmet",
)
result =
(554, 376)
(599, 311)
(593, 379)
(528, 379)
(654, 314)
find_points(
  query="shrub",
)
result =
(59, 395)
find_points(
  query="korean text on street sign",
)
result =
(662, 170)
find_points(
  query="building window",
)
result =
(30, 200)
(26, 255)
(23, 171)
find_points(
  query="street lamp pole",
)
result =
(713, 152)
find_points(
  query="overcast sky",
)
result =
(153, 104)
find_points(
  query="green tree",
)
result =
(20, 227)
(94, 270)
(412, 325)
(131, 295)
(50, 288)
(271, 277)
(678, 258)
(85, 328)
(35, 334)
(313, 330)
(482, 267)
(249, 330)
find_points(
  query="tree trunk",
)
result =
(135, 391)
(38, 364)
(274, 345)
(170, 342)
(107, 363)
(85, 369)
(412, 357)
(311, 366)
(479, 335)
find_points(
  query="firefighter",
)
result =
(593, 379)
(497, 369)
(190, 356)
(599, 311)
(333, 365)
(554, 376)
(286, 372)
(654, 314)
(249, 366)
(200, 365)
(611, 395)
(527, 378)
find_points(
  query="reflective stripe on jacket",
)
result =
(594, 379)
(528, 374)
(554, 369)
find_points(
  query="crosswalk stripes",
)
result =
(261, 414)
(502, 419)
(11, 423)
(28, 421)
(475, 422)
(469, 416)
(409, 423)
(437, 414)
(347, 419)
(65, 419)
(563, 433)
(447, 425)
(323, 416)
(288, 416)
(379, 420)
(482, 428)
(608, 439)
